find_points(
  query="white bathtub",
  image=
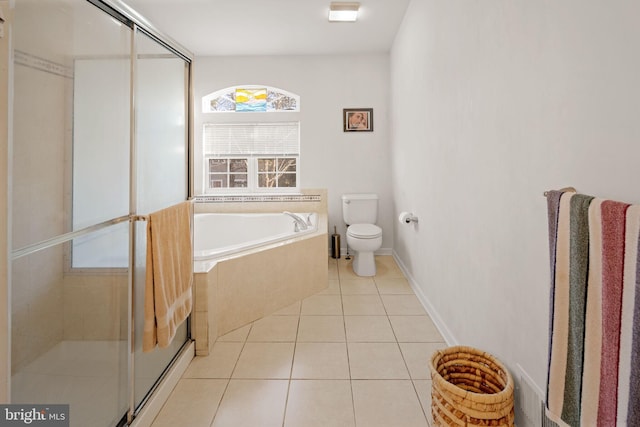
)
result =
(217, 235)
(248, 266)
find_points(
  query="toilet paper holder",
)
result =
(407, 218)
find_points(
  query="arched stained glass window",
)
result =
(250, 98)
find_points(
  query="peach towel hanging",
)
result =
(169, 274)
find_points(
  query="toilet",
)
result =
(364, 237)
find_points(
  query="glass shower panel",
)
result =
(161, 133)
(71, 118)
(70, 171)
(100, 139)
(161, 163)
(100, 183)
(69, 333)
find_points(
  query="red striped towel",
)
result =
(613, 234)
(594, 356)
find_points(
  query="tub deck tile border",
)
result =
(254, 198)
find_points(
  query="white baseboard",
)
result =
(384, 251)
(529, 400)
(381, 251)
(433, 313)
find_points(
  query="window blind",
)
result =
(252, 139)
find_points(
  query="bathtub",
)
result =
(247, 266)
(216, 235)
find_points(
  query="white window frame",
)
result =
(276, 158)
(252, 156)
(228, 173)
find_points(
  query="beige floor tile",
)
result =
(320, 361)
(361, 286)
(218, 364)
(387, 267)
(238, 335)
(362, 305)
(192, 403)
(415, 329)
(387, 403)
(376, 361)
(291, 310)
(423, 388)
(417, 356)
(321, 329)
(320, 348)
(274, 329)
(323, 403)
(345, 269)
(265, 361)
(332, 289)
(251, 403)
(393, 286)
(333, 269)
(368, 329)
(326, 305)
(402, 305)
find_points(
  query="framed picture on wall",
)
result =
(357, 119)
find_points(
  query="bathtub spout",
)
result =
(301, 224)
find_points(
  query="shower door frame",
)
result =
(137, 23)
(154, 35)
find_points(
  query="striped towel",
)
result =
(629, 369)
(593, 320)
(594, 346)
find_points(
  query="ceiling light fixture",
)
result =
(343, 12)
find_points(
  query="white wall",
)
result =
(492, 104)
(330, 158)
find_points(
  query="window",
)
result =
(241, 157)
(250, 98)
(252, 157)
(228, 173)
(277, 172)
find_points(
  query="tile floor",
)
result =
(86, 375)
(355, 354)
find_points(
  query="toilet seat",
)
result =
(364, 231)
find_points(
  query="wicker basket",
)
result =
(470, 388)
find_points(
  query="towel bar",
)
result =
(565, 189)
(146, 217)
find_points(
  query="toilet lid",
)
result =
(364, 231)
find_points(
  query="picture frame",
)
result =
(357, 119)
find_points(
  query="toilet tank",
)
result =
(360, 208)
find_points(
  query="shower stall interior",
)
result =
(99, 133)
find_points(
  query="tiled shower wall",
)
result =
(40, 191)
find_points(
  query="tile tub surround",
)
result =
(287, 204)
(244, 287)
(355, 355)
(241, 288)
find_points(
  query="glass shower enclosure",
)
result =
(100, 135)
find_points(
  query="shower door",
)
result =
(161, 177)
(99, 135)
(70, 210)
